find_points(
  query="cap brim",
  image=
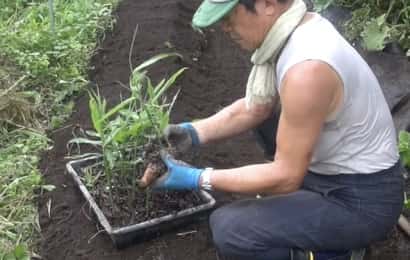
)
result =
(209, 12)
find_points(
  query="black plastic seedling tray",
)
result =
(127, 235)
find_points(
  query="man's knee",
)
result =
(218, 223)
(225, 223)
(232, 231)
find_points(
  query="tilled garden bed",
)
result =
(216, 77)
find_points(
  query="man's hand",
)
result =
(179, 175)
(182, 136)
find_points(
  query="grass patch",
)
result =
(45, 46)
(19, 176)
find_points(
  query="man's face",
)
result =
(245, 27)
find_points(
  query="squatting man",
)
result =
(333, 184)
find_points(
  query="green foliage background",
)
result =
(43, 63)
(375, 23)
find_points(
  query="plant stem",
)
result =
(132, 47)
(52, 20)
(109, 179)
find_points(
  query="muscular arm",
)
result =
(308, 95)
(232, 120)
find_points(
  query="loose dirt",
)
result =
(216, 77)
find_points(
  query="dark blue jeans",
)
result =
(339, 212)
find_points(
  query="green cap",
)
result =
(211, 11)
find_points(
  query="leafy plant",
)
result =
(404, 150)
(375, 23)
(124, 131)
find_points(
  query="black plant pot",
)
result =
(127, 235)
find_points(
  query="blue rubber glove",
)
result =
(180, 176)
(182, 136)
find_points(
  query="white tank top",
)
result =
(362, 137)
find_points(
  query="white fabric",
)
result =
(261, 82)
(361, 138)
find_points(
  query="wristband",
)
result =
(206, 179)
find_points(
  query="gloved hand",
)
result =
(182, 136)
(179, 176)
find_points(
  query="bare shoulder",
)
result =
(309, 87)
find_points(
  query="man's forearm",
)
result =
(230, 121)
(270, 178)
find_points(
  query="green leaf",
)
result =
(136, 81)
(321, 5)
(404, 148)
(407, 204)
(81, 140)
(113, 133)
(110, 158)
(20, 252)
(92, 134)
(9, 257)
(155, 59)
(376, 33)
(117, 108)
(160, 91)
(95, 114)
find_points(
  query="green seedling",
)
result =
(123, 132)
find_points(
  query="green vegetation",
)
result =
(18, 178)
(127, 132)
(404, 150)
(45, 48)
(375, 23)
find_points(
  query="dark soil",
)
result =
(122, 199)
(217, 73)
(132, 204)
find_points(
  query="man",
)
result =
(335, 183)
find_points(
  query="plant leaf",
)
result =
(155, 59)
(160, 91)
(321, 5)
(20, 253)
(117, 108)
(404, 148)
(92, 134)
(95, 109)
(376, 33)
(81, 140)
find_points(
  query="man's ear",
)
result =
(270, 7)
